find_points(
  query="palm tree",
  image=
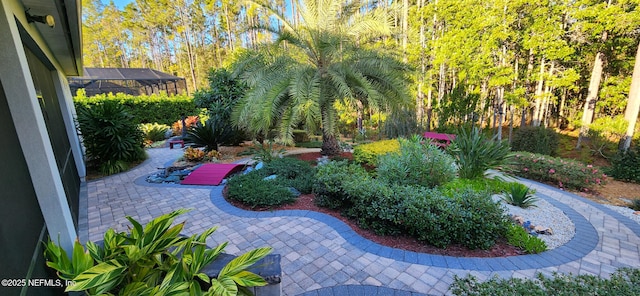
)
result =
(314, 63)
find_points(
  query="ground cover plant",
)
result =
(624, 282)
(153, 260)
(278, 182)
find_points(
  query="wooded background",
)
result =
(554, 63)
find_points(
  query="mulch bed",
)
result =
(306, 202)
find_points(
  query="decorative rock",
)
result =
(270, 177)
(543, 230)
(172, 179)
(636, 213)
(248, 170)
(259, 165)
(294, 191)
(518, 219)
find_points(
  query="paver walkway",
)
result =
(322, 255)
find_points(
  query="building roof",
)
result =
(144, 76)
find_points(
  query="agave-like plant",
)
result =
(519, 195)
(475, 153)
(153, 260)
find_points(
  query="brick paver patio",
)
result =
(321, 255)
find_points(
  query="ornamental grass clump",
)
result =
(564, 173)
(519, 195)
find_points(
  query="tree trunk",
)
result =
(330, 144)
(538, 95)
(592, 97)
(633, 104)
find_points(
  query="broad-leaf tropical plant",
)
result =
(314, 63)
(153, 260)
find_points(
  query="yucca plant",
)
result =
(153, 260)
(475, 153)
(519, 195)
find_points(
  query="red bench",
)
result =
(440, 140)
(173, 142)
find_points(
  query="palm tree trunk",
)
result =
(330, 144)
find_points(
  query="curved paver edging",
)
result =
(359, 290)
(632, 225)
(584, 241)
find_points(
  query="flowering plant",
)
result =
(564, 173)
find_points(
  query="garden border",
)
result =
(584, 241)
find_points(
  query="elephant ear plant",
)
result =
(153, 260)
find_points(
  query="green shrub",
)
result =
(519, 195)
(110, 136)
(154, 131)
(265, 152)
(625, 166)
(369, 153)
(159, 108)
(475, 153)
(624, 282)
(535, 139)
(564, 173)
(252, 190)
(329, 183)
(635, 204)
(312, 144)
(416, 164)
(291, 172)
(468, 218)
(519, 237)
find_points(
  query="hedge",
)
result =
(156, 108)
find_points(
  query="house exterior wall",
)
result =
(41, 158)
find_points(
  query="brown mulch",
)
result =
(306, 202)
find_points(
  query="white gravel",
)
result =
(627, 212)
(547, 216)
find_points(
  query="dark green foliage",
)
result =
(312, 144)
(565, 173)
(401, 123)
(416, 164)
(329, 183)
(535, 139)
(210, 134)
(291, 172)
(519, 195)
(625, 166)
(252, 190)
(110, 136)
(222, 88)
(154, 108)
(624, 282)
(475, 153)
(219, 100)
(519, 237)
(466, 217)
